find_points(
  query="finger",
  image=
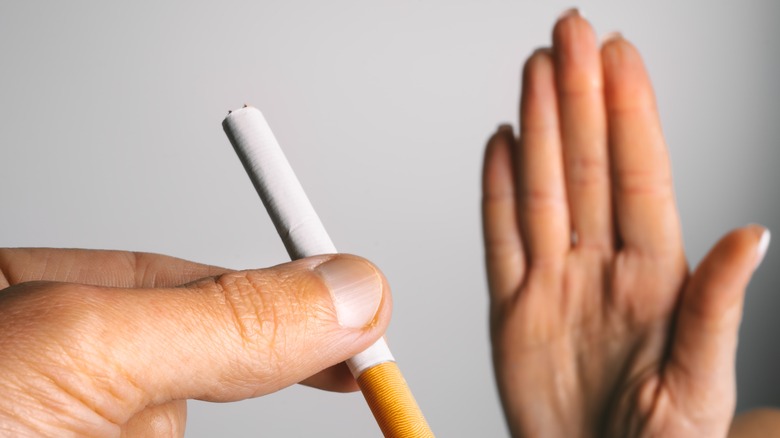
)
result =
(544, 216)
(231, 337)
(165, 421)
(503, 247)
(337, 378)
(705, 337)
(642, 184)
(99, 267)
(583, 131)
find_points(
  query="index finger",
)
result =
(642, 183)
(99, 267)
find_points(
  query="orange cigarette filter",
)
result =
(392, 403)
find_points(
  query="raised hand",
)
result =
(598, 328)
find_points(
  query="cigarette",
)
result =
(303, 234)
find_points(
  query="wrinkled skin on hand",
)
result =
(113, 343)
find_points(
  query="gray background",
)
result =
(110, 138)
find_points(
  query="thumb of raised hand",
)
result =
(703, 353)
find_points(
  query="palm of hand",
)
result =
(597, 327)
(591, 347)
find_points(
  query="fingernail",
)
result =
(763, 245)
(356, 289)
(611, 36)
(571, 12)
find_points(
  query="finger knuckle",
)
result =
(543, 200)
(586, 171)
(268, 312)
(636, 182)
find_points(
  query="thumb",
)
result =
(705, 338)
(238, 335)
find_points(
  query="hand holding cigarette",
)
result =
(98, 343)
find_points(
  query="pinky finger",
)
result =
(503, 247)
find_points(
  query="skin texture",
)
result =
(110, 343)
(757, 423)
(598, 327)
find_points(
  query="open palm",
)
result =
(598, 328)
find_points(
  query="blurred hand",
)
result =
(104, 343)
(598, 328)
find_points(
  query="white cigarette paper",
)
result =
(291, 212)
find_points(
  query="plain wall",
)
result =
(110, 137)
